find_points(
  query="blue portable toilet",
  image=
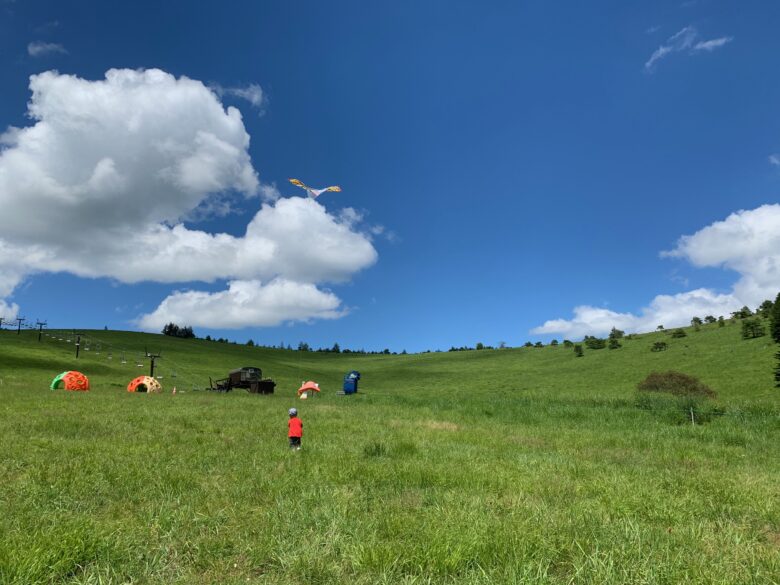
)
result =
(351, 382)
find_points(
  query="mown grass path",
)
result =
(512, 466)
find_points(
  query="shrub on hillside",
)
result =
(765, 308)
(659, 346)
(594, 342)
(677, 333)
(752, 328)
(614, 343)
(577, 350)
(675, 383)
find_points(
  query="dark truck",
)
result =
(249, 378)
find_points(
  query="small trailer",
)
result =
(249, 378)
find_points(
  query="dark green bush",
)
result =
(659, 346)
(594, 342)
(677, 333)
(675, 383)
(752, 328)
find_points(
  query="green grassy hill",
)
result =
(499, 466)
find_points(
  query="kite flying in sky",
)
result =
(314, 193)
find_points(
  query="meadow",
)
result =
(521, 465)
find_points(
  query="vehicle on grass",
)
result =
(249, 378)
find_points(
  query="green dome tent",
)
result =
(55, 383)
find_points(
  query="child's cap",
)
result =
(293, 411)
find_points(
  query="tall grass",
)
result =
(512, 466)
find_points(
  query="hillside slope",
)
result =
(502, 466)
(741, 371)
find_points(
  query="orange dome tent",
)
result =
(144, 384)
(73, 381)
(309, 386)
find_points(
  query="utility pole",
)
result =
(41, 325)
(78, 344)
(152, 356)
(19, 324)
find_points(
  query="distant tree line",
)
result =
(753, 325)
(173, 330)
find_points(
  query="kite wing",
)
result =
(297, 183)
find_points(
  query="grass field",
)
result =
(507, 466)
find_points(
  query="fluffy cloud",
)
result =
(686, 39)
(747, 242)
(245, 303)
(667, 310)
(8, 311)
(100, 186)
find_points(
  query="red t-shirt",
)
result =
(296, 427)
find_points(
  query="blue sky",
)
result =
(504, 164)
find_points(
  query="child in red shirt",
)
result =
(295, 429)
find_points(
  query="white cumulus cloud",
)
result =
(103, 181)
(8, 311)
(246, 303)
(746, 242)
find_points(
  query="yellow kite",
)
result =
(314, 193)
